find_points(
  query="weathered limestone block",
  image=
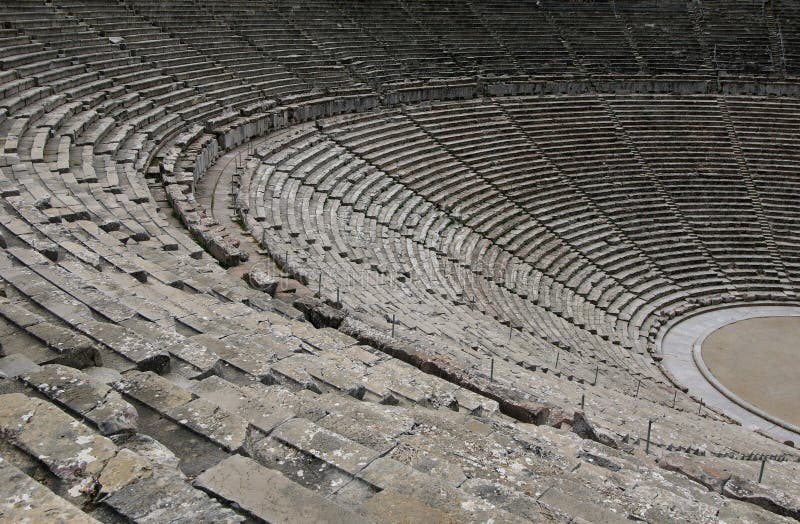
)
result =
(390, 506)
(226, 429)
(168, 498)
(125, 468)
(96, 401)
(326, 445)
(153, 390)
(22, 499)
(711, 478)
(787, 505)
(244, 402)
(68, 448)
(268, 495)
(261, 280)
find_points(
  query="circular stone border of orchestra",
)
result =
(681, 342)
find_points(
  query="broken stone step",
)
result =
(243, 402)
(268, 495)
(26, 500)
(94, 401)
(326, 445)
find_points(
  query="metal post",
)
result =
(558, 354)
(392, 325)
(639, 383)
(491, 372)
(761, 471)
(319, 285)
(700, 408)
(596, 372)
(649, 427)
(337, 295)
(583, 399)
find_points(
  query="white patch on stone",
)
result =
(85, 456)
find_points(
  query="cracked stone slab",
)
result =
(326, 445)
(22, 499)
(371, 425)
(244, 402)
(15, 365)
(219, 426)
(153, 390)
(69, 449)
(389, 474)
(390, 506)
(268, 495)
(772, 500)
(168, 498)
(93, 400)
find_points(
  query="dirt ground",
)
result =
(759, 360)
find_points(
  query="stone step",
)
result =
(130, 483)
(268, 495)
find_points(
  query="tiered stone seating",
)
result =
(665, 37)
(697, 165)
(782, 20)
(464, 35)
(597, 37)
(345, 39)
(269, 30)
(498, 264)
(766, 129)
(401, 34)
(516, 25)
(738, 37)
(230, 59)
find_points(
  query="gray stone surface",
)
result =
(93, 400)
(270, 496)
(22, 499)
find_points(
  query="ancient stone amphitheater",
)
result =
(389, 260)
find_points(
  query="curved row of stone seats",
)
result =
(347, 290)
(767, 130)
(403, 36)
(783, 18)
(341, 37)
(224, 414)
(586, 149)
(269, 30)
(515, 165)
(696, 155)
(741, 38)
(499, 367)
(320, 153)
(473, 195)
(533, 257)
(597, 38)
(107, 280)
(234, 67)
(516, 25)
(463, 34)
(268, 183)
(665, 35)
(79, 123)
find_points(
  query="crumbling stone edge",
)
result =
(511, 402)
